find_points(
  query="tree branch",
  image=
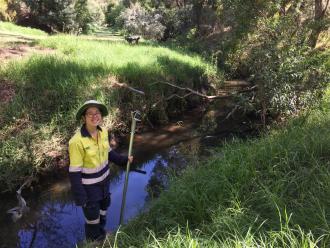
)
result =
(123, 85)
(206, 96)
(190, 92)
(232, 111)
(325, 9)
(170, 97)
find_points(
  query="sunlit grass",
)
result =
(119, 54)
(12, 35)
(10, 27)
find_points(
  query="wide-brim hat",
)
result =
(92, 103)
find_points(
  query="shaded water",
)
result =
(55, 221)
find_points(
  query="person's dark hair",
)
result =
(84, 113)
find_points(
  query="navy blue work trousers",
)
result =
(95, 218)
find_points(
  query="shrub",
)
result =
(176, 20)
(3, 9)
(71, 16)
(83, 16)
(138, 20)
(8, 9)
(112, 14)
(96, 11)
(290, 75)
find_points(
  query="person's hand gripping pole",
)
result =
(136, 115)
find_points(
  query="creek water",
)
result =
(55, 221)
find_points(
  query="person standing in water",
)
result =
(89, 173)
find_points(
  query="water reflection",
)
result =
(58, 225)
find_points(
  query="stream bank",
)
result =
(54, 220)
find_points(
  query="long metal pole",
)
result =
(123, 203)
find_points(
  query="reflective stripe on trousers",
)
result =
(95, 217)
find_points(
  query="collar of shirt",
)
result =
(84, 132)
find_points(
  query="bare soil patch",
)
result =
(7, 53)
(7, 92)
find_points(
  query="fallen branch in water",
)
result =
(194, 92)
(123, 85)
(18, 211)
(253, 88)
(190, 92)
(232, 111)
(170, 97)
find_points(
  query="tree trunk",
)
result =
(197, 8)
(320, 10)
(283, 5)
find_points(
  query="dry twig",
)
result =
(123, 85)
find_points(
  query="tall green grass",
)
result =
(56, 83)
(10, 27)
(146, 63)
(268, 192)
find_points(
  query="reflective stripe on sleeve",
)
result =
(95, 180)
(76, 168)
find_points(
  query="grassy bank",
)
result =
(269, 192)
(12, 35)
(44, 91)
(14, 29)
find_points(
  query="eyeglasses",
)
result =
(91, 115)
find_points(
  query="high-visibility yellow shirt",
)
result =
(89, 156)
